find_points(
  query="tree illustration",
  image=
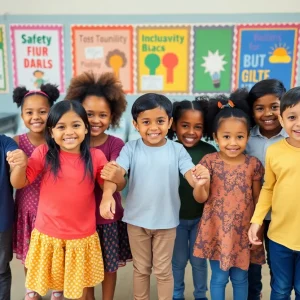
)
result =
(170, 61)
(152, 61)
(116, 60)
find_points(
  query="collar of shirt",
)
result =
(256, 132)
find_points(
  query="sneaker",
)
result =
(57, 296)
(32, 296)
(201, 298)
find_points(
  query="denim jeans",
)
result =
(6, 254)
(254, 272)
(286, 272)
(186, 234)
(220, 278)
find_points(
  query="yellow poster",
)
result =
(163, 59)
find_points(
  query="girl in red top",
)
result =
(64, 253)
(104, 101)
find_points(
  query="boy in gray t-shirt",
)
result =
(152, 204)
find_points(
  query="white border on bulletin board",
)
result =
(5, 58)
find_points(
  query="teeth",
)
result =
(153, 134)
(269, 121)
(189, 139)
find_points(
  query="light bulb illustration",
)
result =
(214, 64)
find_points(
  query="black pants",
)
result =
(254, 272)
(6, 254)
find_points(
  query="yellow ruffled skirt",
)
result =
(63, 265)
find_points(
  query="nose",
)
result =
(233, 141)
(35, 116)
(191, 130)
(268, 112)
(69, 130)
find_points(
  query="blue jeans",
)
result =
(286, 272)
(186, 234)
(254, 272)
(220, 278)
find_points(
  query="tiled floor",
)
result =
(124, 284)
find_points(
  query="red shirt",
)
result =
(67, 204)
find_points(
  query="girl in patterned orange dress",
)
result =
(230, 198)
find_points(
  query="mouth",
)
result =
(297, 132)
(153, 135)
(36, 124)
(269, 121)
(233, 150)
(189, 140)
(69, 140)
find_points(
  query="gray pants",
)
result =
(6, 255)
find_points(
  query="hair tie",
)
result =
(230, 104)
(36, 92)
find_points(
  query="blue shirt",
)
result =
(6, 194)
(258, 145)
(153, 199)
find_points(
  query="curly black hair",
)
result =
(216, 114)
(51, 91)
(106, 85)
(179, 107)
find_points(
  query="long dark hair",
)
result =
(52, 156)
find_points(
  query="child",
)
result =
(35, 106)
(189, 127)
(64, 253)
(152, 204)
(104, 101)
(264, 100)
(233, 191)
(281, 193)
(6, 217)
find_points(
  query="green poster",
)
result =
(3, 62)
(212, 59)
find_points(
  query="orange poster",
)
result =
(104, 49)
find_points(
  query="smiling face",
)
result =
(99, 114)
(35, 111)
(189, 127)
(69, 132)
(266, 110)
(290, 121)
(153, 126)
(232, 138)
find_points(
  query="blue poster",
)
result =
(266, 51)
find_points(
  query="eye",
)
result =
(76, 125)
(161, 122)
(275, 107)
(103, 116)
(292, 118)
(29, 113)
(60, 127)
(240, 137)
(89, 115)
(43, 112)
(184, 126)
(145, 122)
(259, 109)
(226, 137)
(199, 127)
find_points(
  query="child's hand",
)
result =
(253, 234)
(112, 172)
(200, 175)
(17, 158)
(107, 207)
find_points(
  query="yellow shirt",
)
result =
(281, 192)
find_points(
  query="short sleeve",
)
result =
(9, 144)
(36, 163)
(206, 162)
(124, 158)
(116, 148)
(99, 162)
(185, 161)
(259, 170)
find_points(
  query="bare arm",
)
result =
(114, 173)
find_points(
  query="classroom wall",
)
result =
(137, 7)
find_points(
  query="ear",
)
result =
(86, 131)
(215, 138)
(135, 124)
(281, 121)
(170, 123)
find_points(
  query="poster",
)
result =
(37, 55)
(266, 51)
(163, 59)
(212, 60)
(104, 49)
(3, 62)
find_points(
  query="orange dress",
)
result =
(223, 229)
